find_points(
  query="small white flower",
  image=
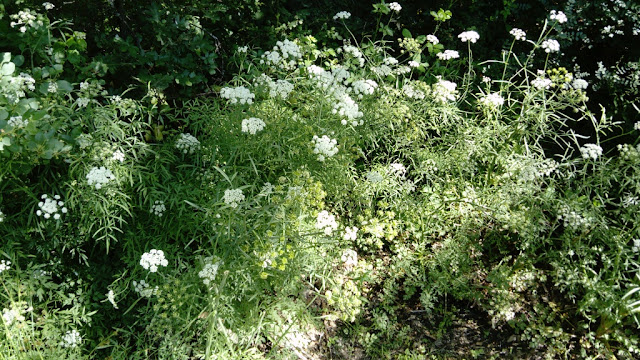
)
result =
(237, 95)
(350, 233)
(491, 101)
(1, 216)
(118, 156)
(158, 208)
(4, 265)
(17, 122)
(243, 49)
(111, 297)
(518, 34)
(558, 16)
(51, 207)
(324, 147)
(187, 143)
(210, 270)
(326, 222)
(414, 64)
(342, 15)
(541, 83)
(579, 84)
(590, 151)
(53, 87)
(469, 36)
(394, 6)
(433, 39)
(448, 55)
(636, 245)
(349, 258)
(152, 259)
(99, 177)
(233, 197)
(636, 126)
(71, 339)
(252, 125)
(550, 46)
(143, 289)
(444, 91)
(48, 5)
(82, 102)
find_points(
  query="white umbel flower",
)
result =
(342, 15)
(209, 271)
(444, 91)
(469, 36)
(550, 46)
(491, 101)
(350, 233)
(233, 197)
(238, 95)
(152, 259)
(4, 265)
(71, 339)
(252, 125)
(51, 207)
(394, 6)
(158, 208)
(326, 222)
(187, 143)
(518, 34)
(590, 151)
(325, 147)
(99, 177)
(558, 16)
(448, 55)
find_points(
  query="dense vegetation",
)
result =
(290, 180)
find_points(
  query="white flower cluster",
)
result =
(187, 143)
(243, 49)
(412, 92)
(346, 107)
(636, 245)
(444, 91)
(26, 19)
(350, 233)
(280, 89)
(349, 258)
(71, 339)
(252, 125)
(558, 16)
(1, 216)
(629, 153)
(325, 147)
(53, 87)
(15, 314)
(382, 70)
(433, 39)
(4, 265)
(390, 61)
(15, 87)
(99, 177)
(209, 271)
(152, 259)
(518, 34)
(83, 102)
(284, 54)
(233, 197)
(48, 5)
(394, 6)
(237, 95)
(491, 101)
(448, 55)
(118, 156)
(636, 126)
(550, 46)
(111, 297)
(469, 36)
(143, 289)
(580, 84)
(326, 222)
(413, 64)
(342, 15)
(629, 200)
(590, 151)
(574, 220)
(158, 208)
(354, 52)
(374, 176)
(49, 207)
(397, 169)
(541, 82)
(17, 122)
(363, 87)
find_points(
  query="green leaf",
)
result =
(4, 142)
(406, 33)
(8, 69)
(64, 85)
(3, 114)
(18, 60)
